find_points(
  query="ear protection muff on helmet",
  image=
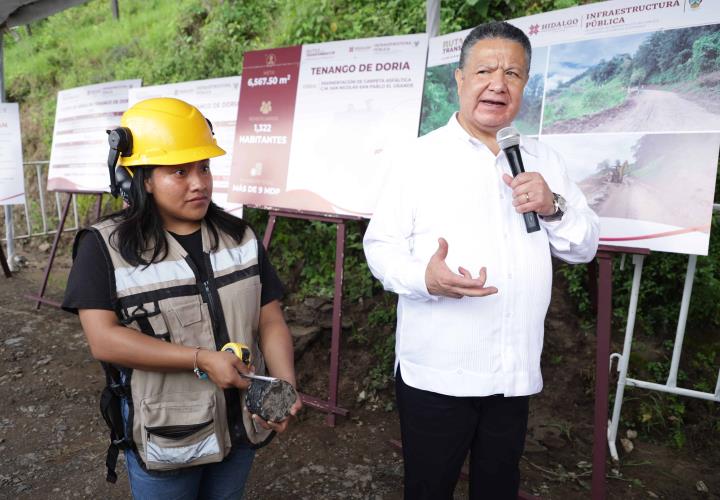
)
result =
(121, 144)
(120, 141)
(123, 180)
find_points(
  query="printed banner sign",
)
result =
(78, 158)
(217, 99)
(627, 92)
(313, 119)
(12, 186)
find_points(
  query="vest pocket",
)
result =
(180, 433)
(188, 321)
(188, 313)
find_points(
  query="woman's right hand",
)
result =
(223, 368)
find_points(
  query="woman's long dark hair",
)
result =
(140, 229)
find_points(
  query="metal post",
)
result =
(604, 260)
(10, 235)
(625, 357)
(75, 213)
(40, 297)
(602, 375)
(115, 9)
(432, 18)
(9, 226)
(41, 192)
(269, 231)
(58, 203)
(329, 405)
(336, 321)
(98, 208)
(682, 320)
(27, 214)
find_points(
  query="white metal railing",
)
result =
(41, 195)
(623, 360)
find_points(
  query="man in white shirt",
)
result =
(468, 343)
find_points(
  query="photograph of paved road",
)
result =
(651, 82)
(663, 178)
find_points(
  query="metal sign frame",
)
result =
(623, 359)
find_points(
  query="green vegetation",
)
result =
(667, 415)
(588, 94)
(689, 57)
(440, 98)
(528, 119)
(660, 292)
(678, 55)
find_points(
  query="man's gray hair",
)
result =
(495, 29)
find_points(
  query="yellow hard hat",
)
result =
(167, 131)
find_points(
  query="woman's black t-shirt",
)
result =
(88, 285)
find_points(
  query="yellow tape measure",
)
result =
(240, 350)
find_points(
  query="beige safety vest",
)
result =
(179, 420)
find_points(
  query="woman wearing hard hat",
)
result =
(160, 287)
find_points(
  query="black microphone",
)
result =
(509, 141)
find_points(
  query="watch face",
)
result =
(561, 203)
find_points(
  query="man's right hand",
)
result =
(223, 368)
(440, 280)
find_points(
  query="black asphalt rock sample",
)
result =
(270, 400)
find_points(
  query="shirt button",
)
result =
(459, 372)
(509, 275)
(507, 314)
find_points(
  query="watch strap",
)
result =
(557, 214)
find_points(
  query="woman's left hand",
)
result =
(282, 425)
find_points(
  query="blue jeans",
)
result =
(219, 481)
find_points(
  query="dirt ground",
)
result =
(53, 440)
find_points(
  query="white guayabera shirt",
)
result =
(448, 184)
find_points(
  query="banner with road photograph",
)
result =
(313, 119)
(628, 92)
(217, 99)
(78, 157)
(12, 186)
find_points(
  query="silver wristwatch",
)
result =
(560, 205)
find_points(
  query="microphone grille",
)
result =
(507, 137)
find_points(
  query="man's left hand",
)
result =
(531, 193)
